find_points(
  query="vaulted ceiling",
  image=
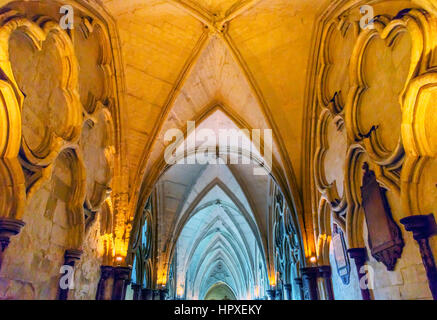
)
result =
(182, 57)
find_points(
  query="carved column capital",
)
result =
(106, 272)
(309, 279)
(122, 273)
(325, 271)
(423, 227)
(71, 256)
(358, 254)
(9, 228)
(121, 279)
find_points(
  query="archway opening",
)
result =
(220, 291)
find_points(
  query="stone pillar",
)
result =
(299, 286)
(156, 295)
(287, 290)
(136, 288)
(422, 227)
(325, 273)
(146, 294)
(271, 294)
(8, 228)
(163, 294)
(309, 280)
(359, 255)
(106, 272)
(70, 258)
(121, 278)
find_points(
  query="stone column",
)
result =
(271, 294)
(299, 285)
(287, 289)
(156, 295)
(146, 294)
(8, 228)
(309, 280)
(279, 295)
(422, 227)
(136, 288)
(121, 278)
(325, 273)
(359, 255)
(70, 258)
(106, 272)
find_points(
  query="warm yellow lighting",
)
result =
(162, 280)
(257, 290)
(313, 259)
(272, 281)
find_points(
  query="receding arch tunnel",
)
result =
(215, 214)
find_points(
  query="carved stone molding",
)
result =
(309, 280)
(271, 294)
(423, 227)
(8, 228)
(121, 278)
(106, 272)
(163, 294)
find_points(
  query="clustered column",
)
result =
(309, 281)
(121, 280)
(106, 272)
(8, 228)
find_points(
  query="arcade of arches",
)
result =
(329, 193)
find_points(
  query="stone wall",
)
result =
(62, 82)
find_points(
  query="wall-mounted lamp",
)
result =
(118, 260)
